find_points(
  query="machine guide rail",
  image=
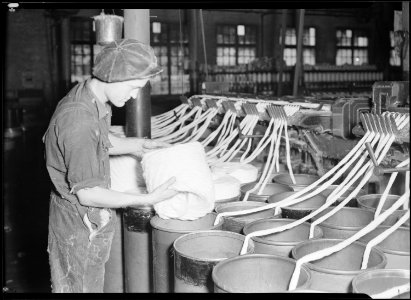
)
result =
(340, 120)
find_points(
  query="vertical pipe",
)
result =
(137, 258)
(138, 114)
(261, 44)
(114, 269)
(50, 61)
(138, 111)
(65, 55)
(283, 29)
(298, 65)
(406, 27)
(138, 255)
(204, 43)
(193, 49)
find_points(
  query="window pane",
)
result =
(227, 56)
(309, 56)
(240, 30)
(392, 41)
(156, 27)
(252, 52)
(174, 61)
(252, 35)
(174, 34)
(86, 62)
(290, 56)
(309, 36)
(170, 45)
(360, 57)
(156, 50)
(82, 39)
(224, 55)
(394, 58)
(78, 49)
(290, 36)
(232, 61)
(360, 39)
(344, 37)
(241, 40)
(79, 70)
(219, 38)
(86, 49)
(174, 51)
(344, 56)
(81, 30)
(226, 35)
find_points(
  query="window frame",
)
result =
(236, 45)
(169, 45)
(392, 48)
(290, 46)
(352, 47)
(91, 43)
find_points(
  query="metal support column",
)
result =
(138, 111)
(65, 55)
(406, 27)
(281, 69)
(137, 234)
(299, 63)
(193, 50)
(114, 268)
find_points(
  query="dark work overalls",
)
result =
(80, 237)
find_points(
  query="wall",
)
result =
(211, 19)
(326, 25)
(27, 52)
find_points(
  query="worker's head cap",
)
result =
(125, 59)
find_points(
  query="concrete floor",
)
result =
(26, 189)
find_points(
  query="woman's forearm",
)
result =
(101, 197)
(128, 145)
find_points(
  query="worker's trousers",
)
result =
(77, 252)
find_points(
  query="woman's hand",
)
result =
(146, 145)
(163, 192)
(150, 145)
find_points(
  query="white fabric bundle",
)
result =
(187, 162)
(126, 174)
(245, 173)
(225, 186)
